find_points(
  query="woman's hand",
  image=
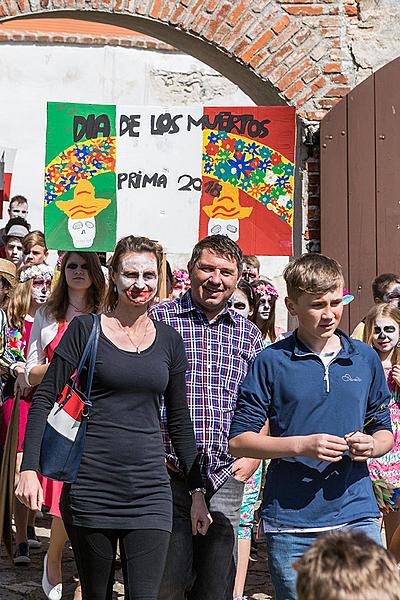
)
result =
(20, 384)
(29, 491)
(200, 515)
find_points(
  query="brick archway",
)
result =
(276, 52)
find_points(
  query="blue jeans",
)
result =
(283, 549)
(203, 567)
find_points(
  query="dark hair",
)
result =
(221, 245)
(18, 199)
(247, 289)
(381, 283)
(268, 327)
(127, 245)
(16, 221)
(57, 304)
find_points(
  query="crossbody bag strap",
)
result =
(92, 360)
(86, 351)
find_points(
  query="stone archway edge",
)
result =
(279, 52)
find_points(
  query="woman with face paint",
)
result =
(381, 331)
(264, 314)
(28, 295)
(122, 493)
(79, 290)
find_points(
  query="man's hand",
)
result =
(244, 468)
(29, 491)
(322, 446)
(200, 515)
(361, 446)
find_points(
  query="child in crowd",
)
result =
(317, 388)
(347, 565)
(251, 268)
(34, 248)
(264, 313)
(381, 331)
(243, 301)
(385, 288)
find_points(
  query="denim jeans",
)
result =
(203, 567)
(284, 549)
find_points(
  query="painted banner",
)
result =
(174, 175)
(7, 159)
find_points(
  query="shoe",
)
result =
(33, 540)
(21, 556)
(51, 592)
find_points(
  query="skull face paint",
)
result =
(264, 307)
(137, 278)
(385, 335)
(239, 303)
(82, 231)
(41, 287)
(393, 296)
(229, 227)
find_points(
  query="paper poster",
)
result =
(7, 159)
(174, 175)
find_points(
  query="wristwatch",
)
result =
(199, 489)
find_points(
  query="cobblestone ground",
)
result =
(25, 582)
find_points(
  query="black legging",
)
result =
(143, 555)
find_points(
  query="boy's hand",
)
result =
(361, 446)
(396, 374)
(244, 468)
(323, 446)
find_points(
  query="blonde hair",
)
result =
(312, 274)
(18, 304)
(381, 311)
(34, 238)
(347, 565)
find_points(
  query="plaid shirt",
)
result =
(219, 355)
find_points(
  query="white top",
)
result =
(44, 330)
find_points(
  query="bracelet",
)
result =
(199, 489)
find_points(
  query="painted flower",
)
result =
(222, 171)
(265, 152)
(213, 137)
(222, 135)
(257, 176)
(207, 167)
(240, 145)
(228, 144)
(224, 154)
(212, 149)
(278, 169)
(276, 158)
(288, 169)
(265, 164)
(282, 180)
(264, 199)
(252, 149)
(240, 167)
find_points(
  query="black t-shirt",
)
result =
(122, 480)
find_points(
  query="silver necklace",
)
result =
(81, 310)
(134, 344)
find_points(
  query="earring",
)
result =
(114, 288)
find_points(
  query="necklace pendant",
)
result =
(137, 349)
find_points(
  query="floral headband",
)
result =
(181, 276)
(267, 289)
(36, 271)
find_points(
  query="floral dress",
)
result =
(387, 467)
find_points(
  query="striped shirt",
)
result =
(219, 353)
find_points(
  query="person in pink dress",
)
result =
(382, 332)
(28, 295)
(79, 290)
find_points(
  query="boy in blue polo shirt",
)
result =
(325, 397)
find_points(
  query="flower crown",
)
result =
(181, 276)
(36, 271)
(267, 289)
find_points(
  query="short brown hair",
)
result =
(128, 244)
(381, 283)
(34, 238)
(221, 245)
(312, 273)
(347, 565)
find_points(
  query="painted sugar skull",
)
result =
(225, 213)
(81, 212)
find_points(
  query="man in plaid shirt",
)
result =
(220, 345)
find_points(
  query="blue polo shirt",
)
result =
(289, 385)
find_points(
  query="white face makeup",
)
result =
(137, 278)
(239, 303)
(41, 287)
(264, 307)
(385, 334)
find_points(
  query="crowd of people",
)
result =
(200, 406)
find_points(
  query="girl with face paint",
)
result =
(79, 289)
(264, 314)
(122, 493)
(382, 327)
(29, 293)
